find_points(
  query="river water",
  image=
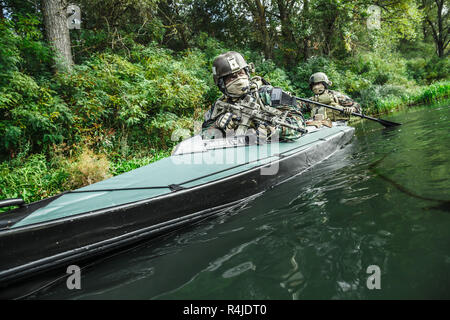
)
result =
(383, 201)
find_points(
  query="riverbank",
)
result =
(33, 177)
(439, 91)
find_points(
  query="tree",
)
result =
(57, 32)
(289, 46)
(174, 14)
(437, 17)
(258, 9)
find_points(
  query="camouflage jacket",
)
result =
(270, 99)
(332, 98)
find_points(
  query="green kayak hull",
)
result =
(151, 200)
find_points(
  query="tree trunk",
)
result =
(57, 31)
(441, 39)
(328, 35)
(438, 25)
(289, 46)
(258, 11)
(261, 20)
(307, 39)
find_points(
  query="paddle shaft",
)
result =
(385, 123)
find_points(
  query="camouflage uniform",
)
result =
(332, 98)
(260, 92)
(319, 82)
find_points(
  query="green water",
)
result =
(314, 236)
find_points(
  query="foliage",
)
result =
(31, 114)
(436, 91)
(426, 71)
(86, 169)
(315, 64)
(31, 177)
(9, 51)
(275, 75)
(143, 70)
(121, 165)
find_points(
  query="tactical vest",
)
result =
(327, 97)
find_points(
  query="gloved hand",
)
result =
(226, 121)
(262, 133)
(348, 110)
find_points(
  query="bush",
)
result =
(301, 74)
(111, 93)
(109, 98)
(31, 178)
(86, 169)
(379, 98)
(439, 69)
(433, 93)
(426, 71)
(276, 76)
(9, 51)
(120, 165)
(31, 114)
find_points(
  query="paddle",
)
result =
(385, 123)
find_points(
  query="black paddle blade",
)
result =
(387, 123)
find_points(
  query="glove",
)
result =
(226, 121)
(261, 133)
(324, 98)
(348, 110)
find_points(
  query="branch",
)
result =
(445, 45)
(273, 14)
(139, 31)
(291, 5)
(435, 36)
(439, 4)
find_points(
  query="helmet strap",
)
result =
(221, 85)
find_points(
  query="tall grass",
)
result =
(36, 177)
(435, 92)
(31, 178)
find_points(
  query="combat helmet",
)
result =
(226, 64)
(319, 77)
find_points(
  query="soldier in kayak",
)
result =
(269, 107)
(319, 83)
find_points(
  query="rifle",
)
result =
(250, 110)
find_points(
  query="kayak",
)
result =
(200, 179)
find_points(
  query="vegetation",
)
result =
(141, 69)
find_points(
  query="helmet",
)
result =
(226, 64)
(319, 77)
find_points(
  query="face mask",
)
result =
(234, 88)
(318, 88)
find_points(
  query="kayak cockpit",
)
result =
(198, 144)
